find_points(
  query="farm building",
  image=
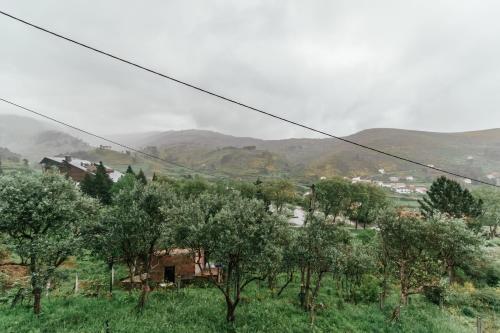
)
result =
(76, 168)
(169, 266)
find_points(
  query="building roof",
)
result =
(83, 165)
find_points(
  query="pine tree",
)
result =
(87, 185)
(102, 184)
(155, 177)
(130, 170)
(141, 177)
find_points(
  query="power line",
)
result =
(105, 139)
(246, 106)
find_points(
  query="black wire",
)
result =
(105, 139)
(243, 104)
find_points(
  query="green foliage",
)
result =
(279, 192)
(406, 245)
(333, 196)
(43, 214)
(452, 242)
(491, 209)
(98, 185)
(141, 177)
(446, 196)
(130, 170)
(366, 203)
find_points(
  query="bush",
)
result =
(492, 275)
(369, 289)
(434, 294)
(468, 312)
(489, 297)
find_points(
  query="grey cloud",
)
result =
(341, 66)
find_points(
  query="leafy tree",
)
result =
(130, 170)
(446, 196)
(278, 193)
(1, 170)
(137, 225)
(454, 243)
(245, 239)
(192, 219)
(100, 237)
(43, 214)
(491, 209)
(332, 197)
(367, 201)
(319, 249)
(405, 242)
(142, 177)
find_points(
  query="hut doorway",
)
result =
(169, 274)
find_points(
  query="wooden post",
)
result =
(76, 283)
(479, 325)
(178, 282)
(381, 300)
(47, 289)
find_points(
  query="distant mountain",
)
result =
(474, 153)
(34, 139)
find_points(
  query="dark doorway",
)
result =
(169, 274)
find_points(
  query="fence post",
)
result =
(76, 283)
(479, 325)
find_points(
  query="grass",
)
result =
(202, 310)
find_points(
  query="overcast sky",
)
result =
(340, 66)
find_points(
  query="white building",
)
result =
(410, 178)
(467, 181)
(394, 179)
(403, 190)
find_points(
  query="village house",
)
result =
(394, 179)
(177, 265)
(76, 168)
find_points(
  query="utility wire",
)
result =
(246, 106)
(105, 139)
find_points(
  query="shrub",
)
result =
(369, 289)
(434, 294)
(468, 312)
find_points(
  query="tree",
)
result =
(99, 185)
(491, 209)
(137, 225)
(367, 201)
(43, 214)
(1, 170)
(101, 237)
(130, 171)
(279, 192)
(142, 177)
(320, 246)
(245, 239)
(405, 242)
(446, 196)
(454, 243)
(333, 197)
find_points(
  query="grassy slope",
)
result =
(202, 310)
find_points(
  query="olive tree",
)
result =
(491, 209)
(246, 241)
(43, 215)
(454, 243)
(137, 225)
(320, 245)
(332, 197)
(406, 244)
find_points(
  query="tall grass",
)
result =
(195, 309)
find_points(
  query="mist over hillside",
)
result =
(476, 153)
